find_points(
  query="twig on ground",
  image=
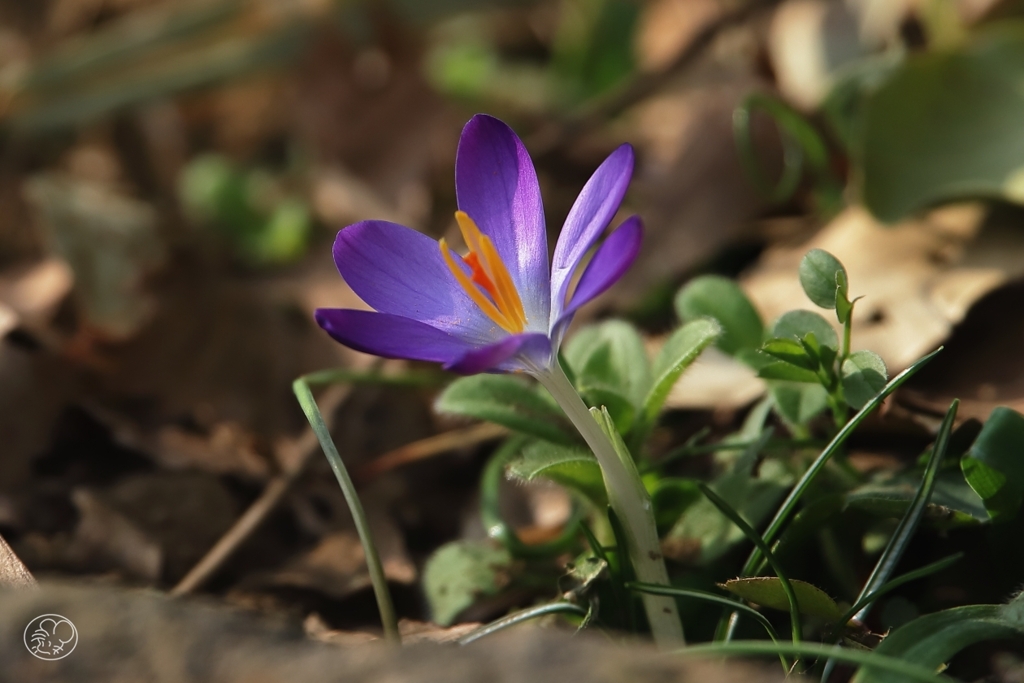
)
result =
(297, 453)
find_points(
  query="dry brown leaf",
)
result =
(227, 449)
(13, 573)
(917, 278)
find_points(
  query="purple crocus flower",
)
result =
(498, 308)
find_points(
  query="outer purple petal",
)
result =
(497, 186)
(400, 271)
(505, 355)
(611, 261)
(391, 336)
(589, 216)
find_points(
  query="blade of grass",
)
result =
(908, 525)
(760, 647)
(373, 563)
(618, 583)
(788, 507)
(706, 597)
(924, 571)
(748, 531)
(521, 616)
(900, 539)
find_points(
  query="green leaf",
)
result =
(798, 403)
(844, 307)
(953, 504)
(792, 352)
(818, 272)
(796, 325)
(864, 375)
(461, 572)
(994, 467)
(754, 496)
(574, 468)
(610, 357)
(789, 373)
(679, 351)
(947, 125)
(713, 296)
(905, 530)
(508, 401)
(767, 591)
(933, 639)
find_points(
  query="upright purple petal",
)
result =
(612, 259)
(400, 271)
(391, 336)
(497, 186)
(589, 216)
(506, 355)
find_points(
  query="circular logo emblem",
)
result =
(50, 636)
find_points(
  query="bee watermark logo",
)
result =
(50, 637)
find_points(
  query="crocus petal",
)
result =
(589, 216)
(497, 186)
(505, 355)
(610, 262)
(400, 271)
(391, 336)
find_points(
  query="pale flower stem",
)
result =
(631, 503)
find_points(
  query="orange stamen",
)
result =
(489, 284)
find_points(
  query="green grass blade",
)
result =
(706, 597)
(759, 647)
(755, 538)
(908, 525)
(924, 571)
(788, 506)
(373, 563)
(521, 616)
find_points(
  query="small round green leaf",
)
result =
(818, 271)
(713, 296)
(799, 403)
(993, 466)
(864, 375)
(796, 325)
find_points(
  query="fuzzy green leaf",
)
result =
(574, 468)
(610, 357)
(508, 401)
(681, 349)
